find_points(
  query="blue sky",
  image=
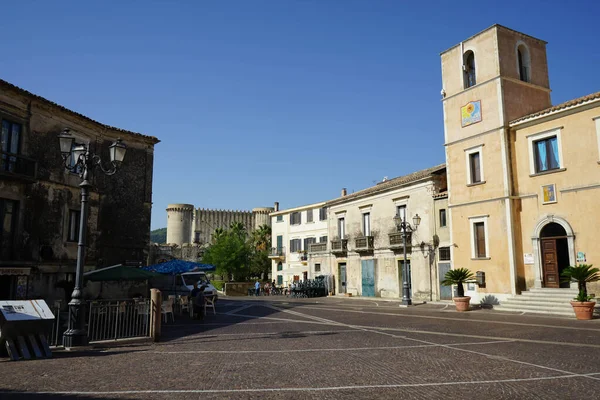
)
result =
(259, 101)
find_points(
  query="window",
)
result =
(8, 219)
(322, 213)
(366, 224)
(341, 228)
(442, 217)
(73, 231)
(523, 62)
(401, 212)
(280, 218)
(11, 140)
(309, 215)
(479, 237)
(545, 152)
(279, 266)
(323, 239)
(444, 253)
(279, 244)
(317, 267)
(295, 245)
(469, 75)
(474, 165)
(308, 241)
(197, 237)
(295, 218)
(280, 279)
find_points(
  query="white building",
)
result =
(299, 237)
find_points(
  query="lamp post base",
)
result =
(74, 338)
(406, 302)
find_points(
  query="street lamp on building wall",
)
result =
(406, 228)
(78, 159)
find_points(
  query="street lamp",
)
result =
(77, 159)
(405, 228)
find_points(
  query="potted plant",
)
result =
(582, 274)
(458, 277)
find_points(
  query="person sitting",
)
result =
(198, 300)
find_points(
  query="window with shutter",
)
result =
(475, 163)
(480, 240)
(309, 215)
(442, 217)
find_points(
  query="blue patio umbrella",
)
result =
(175, 267)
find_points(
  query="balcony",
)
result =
(364, 244)
(17, 166)
(277, 253)
(303, 258)
(317, 248)
(339, 246)
(397, 241)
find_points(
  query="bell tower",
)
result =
(490, 79)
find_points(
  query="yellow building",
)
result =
(523, 175)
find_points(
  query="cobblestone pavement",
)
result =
(330, 348)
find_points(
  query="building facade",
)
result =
(40, 200)
(188, 225)
(299, 243)
(367, 249)
(522, 174)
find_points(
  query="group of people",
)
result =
(267, 288)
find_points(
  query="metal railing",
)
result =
(277, 252)
(397, 239)
(106, 320)
(17, 165)
(317, 247)
(118, 319)
(363, 243)
(339, 246)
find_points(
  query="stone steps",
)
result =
(541, 301)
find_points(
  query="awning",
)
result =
(175, 267)
(15, 270)
(119, 273)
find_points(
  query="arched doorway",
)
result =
(554, 254)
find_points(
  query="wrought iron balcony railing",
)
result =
(17, 166)
(277, 252)
(317, 248)
(339, 246)
(364, 243)
(397, 240)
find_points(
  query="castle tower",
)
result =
(490, 79)
(261, 216)
(179, 223)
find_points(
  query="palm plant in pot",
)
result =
(582, 274)
(459, 277)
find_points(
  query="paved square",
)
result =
(330, 348)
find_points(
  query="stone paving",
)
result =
(329, 348)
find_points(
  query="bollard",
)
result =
(155, 314)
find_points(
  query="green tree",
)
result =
(158, 236)
(230, 253)
(260, 264)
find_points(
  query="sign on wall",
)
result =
(549, 193)
(580, 257)
(470, 113)
(528, 258)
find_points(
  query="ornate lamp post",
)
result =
(77, 158)
(405, 228)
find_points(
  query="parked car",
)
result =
(182, 284)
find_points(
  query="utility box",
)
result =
(23, 328)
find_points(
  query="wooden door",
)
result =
(368, 278)
(342, 278)
(445, 291)
(550, 263)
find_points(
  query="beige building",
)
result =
(522, 175)
(366, 250)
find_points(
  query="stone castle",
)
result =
(187, 224)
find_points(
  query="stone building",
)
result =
(186, 224)
(40, 200)
(523, 175)
(367, 249)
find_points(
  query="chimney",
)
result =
(276, 206)
(344, 192)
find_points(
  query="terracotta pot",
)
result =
(583, 309)
(462, 303)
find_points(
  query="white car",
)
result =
(189, 278)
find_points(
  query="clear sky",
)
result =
(258, 101)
